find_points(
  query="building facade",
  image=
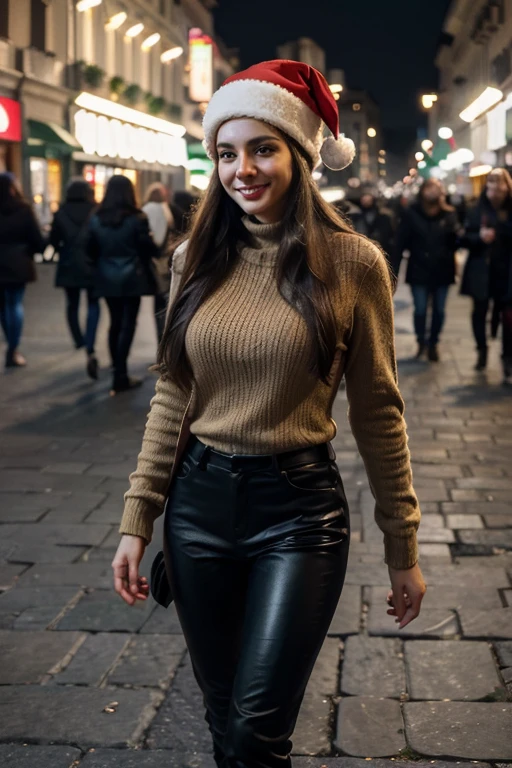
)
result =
(105, 87)
(475, 62)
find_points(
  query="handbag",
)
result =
(159, 583)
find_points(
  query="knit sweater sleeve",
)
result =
(376, 413)
(145, 499)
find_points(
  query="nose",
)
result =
(245, 166)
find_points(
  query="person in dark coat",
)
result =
(20, 239)
(428, 230)
(121, 250)
(488, 271)
(68, 237)
(373, 222)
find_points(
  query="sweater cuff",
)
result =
(137, 520)
(401, 552)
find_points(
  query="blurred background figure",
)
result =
(373, 222)
(182, 209)
(20, 239)
(488, 271)
(121, 250)
(428, 230)
(162, 226)
(68, 237)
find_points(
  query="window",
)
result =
(37, 24)
(4, 19)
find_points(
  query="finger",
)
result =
(133, 577)
(121, 587)
(399, 603)
(412, 611)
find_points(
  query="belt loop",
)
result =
(203, 459)
(331, 452)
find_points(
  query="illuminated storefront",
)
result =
(120, 140)
(10, 136)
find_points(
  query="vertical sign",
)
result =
(201, 65)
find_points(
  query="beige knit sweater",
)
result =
(252, 392)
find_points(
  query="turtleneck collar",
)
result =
(266, 242)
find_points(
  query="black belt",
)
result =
(204, 455)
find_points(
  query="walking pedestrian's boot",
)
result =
(13, 359)
(481, 360)
(433, 353)
(92, 366)
(123, 384)
(420, 351)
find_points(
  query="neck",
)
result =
(431, 207)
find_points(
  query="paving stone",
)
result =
(28, 712)
(32, 480)
(108, 513)
(113, 538)
(20, 599)
(431, 535)
(476, 508)
(432, 521)
(370, 727)
(363, 574)
(373, 666)
(435, 551)
(120, 471)
(355, 762)
(27, 657)
(347, 617)
(31, 756)
(9, 574)
(464, 522)
(492, 483)
(93, 659)
(450, 596)
(476, 731)
(149, 660)
(507, 675)
(494, 538)
(504, 653)
(92, 575)
(180, 720)
(163, 621)
(21, 514)
(61, 534)
(451, 670)
(494, 625)
(38, 618)
(138, 758)
(324, 678)
(470, 576)
(104, 611)
(431, 470)
(44, 553)
(312, 730)
(66, 468)
(498, 521)
(433, 622)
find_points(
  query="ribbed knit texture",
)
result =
(253, 394)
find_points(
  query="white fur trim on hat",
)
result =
(267, 102)
(337, 153)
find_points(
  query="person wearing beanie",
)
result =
(273, 299)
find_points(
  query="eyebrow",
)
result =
(256, 140)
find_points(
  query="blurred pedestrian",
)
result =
(20, 240)
(162, 227)
(182, 208)
(488, 272)
(273, 298)
(121, 250)
(373, 222)
(68, 236)
(428, 230)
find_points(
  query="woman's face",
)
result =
(431, 192)
(497, 189)
(255, 167)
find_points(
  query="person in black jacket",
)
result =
(20, 239)
(488, 271)
(68, 237)
(373, 222)
(121, 250)
(428, 230)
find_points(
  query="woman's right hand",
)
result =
(127, 582)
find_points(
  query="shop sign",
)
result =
(201, 66)
(105, 137)
(10, 119)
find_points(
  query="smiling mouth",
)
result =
(253, 191)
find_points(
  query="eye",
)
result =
(264, 150)
(226, 155)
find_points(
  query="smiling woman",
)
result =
(273, 299)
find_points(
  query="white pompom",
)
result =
(336, 154)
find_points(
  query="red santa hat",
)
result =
(289, 95)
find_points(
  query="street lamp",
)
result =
(135, 30)
(150, 41)
(485, 101)
(336, 88)
(171, 53)
(422, 164)
(419, 156)
(427, 145)
(84, 5)
(428, 100)
(116, 21)
(445, 133)
(371, 133)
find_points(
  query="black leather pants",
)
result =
(257, 550)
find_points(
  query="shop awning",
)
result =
(50, 140)
(198, 160)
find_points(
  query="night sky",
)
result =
(384, 46)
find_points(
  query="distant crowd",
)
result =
(120, 252)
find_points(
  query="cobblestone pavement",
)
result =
(87, 681)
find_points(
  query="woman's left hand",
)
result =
(407, 590)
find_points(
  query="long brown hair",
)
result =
(304, 265)
(443, 205)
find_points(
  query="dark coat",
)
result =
(431, 242)
(20, 239)
(376, 225)
(121, 256)
(488, 270)
(68, 236)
